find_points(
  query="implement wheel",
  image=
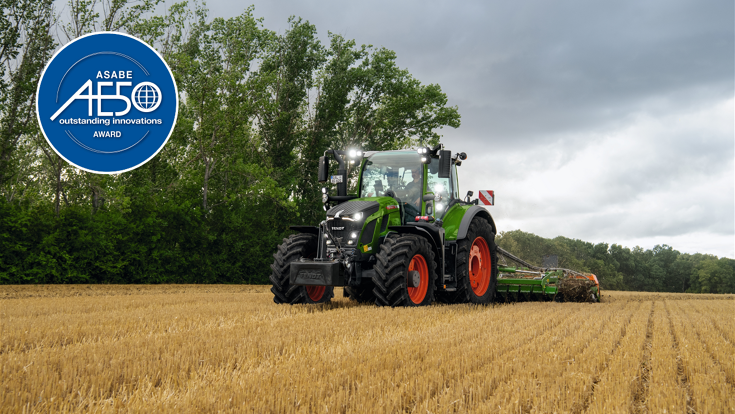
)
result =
(477, 266)
(405, 271)
(293, 248)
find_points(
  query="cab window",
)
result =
(441, 186)
(455, 181)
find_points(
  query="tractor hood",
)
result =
(350, 209)
(367, 218)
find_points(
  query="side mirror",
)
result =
(323, 169)
(469, 194)
(445, 163)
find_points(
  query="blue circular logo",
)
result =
(107, 102)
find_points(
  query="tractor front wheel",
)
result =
(405, 272)
(293, 248)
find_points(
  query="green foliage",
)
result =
(25, 46)
(661, 269)
(713, 275)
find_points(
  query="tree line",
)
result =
(257, 110)
(661, 269)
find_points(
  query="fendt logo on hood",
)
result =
(107, 102)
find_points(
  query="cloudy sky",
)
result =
(603, 121)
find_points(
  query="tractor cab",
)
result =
(403, 176)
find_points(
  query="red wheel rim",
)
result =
(418, 293)
(315, 292)
(480, 266)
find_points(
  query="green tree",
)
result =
(281, 87)
(25, 46)
(214, 66)
(662, 262)
(713, 275)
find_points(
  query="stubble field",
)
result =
(230, 348)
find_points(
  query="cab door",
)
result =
(443, 187)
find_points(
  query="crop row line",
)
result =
(710, 387)
(640, 385)
(600, 370)
(680, 371)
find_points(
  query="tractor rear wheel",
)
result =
(293, 248)
(405, 271)
(477, 266)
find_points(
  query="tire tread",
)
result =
(392, 265)
(293, 248)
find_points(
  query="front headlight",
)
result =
(325, 197)
(354, 217)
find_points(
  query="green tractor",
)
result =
(406, 238)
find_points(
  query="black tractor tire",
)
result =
(293, 248)
(397, 254)
(479, 232)
(363, 293)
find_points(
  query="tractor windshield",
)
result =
(399, 171)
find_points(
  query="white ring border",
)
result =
(173, 126)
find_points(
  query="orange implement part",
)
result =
(589, 276)
(418, 293)
(480, 266)
(594, 279)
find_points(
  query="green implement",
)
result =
(532, 283)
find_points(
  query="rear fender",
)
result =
(467, 219)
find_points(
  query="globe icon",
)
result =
(146, 97)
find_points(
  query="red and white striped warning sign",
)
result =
(487, 197)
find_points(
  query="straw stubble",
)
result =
(229, 348)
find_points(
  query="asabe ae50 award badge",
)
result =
(107, 102)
